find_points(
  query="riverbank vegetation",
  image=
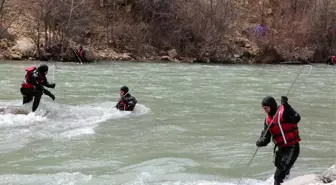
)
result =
(210, 31)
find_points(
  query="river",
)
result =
(194, 124)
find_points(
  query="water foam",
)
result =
(54, 179)
(53, 120)
(143, 178)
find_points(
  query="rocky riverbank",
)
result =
(201, 31)
(24, 48)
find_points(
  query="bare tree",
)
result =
(2, 11)
(6, 17)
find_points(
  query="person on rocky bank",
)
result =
(285, 133)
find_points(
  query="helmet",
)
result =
(42, 68)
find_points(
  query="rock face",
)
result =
(172, 53)
(110, 54)
(327, 177)
(24, 46)
(269, 55)
(15, 56)
(235, 51)
(89, 55)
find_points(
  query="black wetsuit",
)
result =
(285, 157)
(38, 80)
(127, 104)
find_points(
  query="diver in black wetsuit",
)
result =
(32, 87)
(126, 102)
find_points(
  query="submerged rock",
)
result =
(303, 180)
(13, 110)
(327, 177)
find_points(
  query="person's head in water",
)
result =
(43, 69)
(123, 90)
(270, 105)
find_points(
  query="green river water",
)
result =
(193, 124)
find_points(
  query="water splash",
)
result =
(54, 121)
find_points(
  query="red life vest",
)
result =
(26, 83)
(290, 130)
(122, 106)
(333, 59)
(80, 52)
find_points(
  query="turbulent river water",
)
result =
(193, 124)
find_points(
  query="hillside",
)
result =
(218, 31)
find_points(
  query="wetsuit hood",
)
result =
(270, 101)
(125, 89)
(42, 69)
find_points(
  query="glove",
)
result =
(260, 143)
(52, 85)
(284, 100)
(52, 96)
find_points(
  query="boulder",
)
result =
(329, 175)
(107, 54)
(110, 54)
(125, 56)
(25, 46)
(15, 56)
(172, 53)
(165, 58)
(162, 53)
(89, 55)
(269, 55)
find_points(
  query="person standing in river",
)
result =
(127, 102)
(32, 87)
(285, 133)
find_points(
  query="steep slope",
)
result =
(199, 30)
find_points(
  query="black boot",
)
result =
(276, 182)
